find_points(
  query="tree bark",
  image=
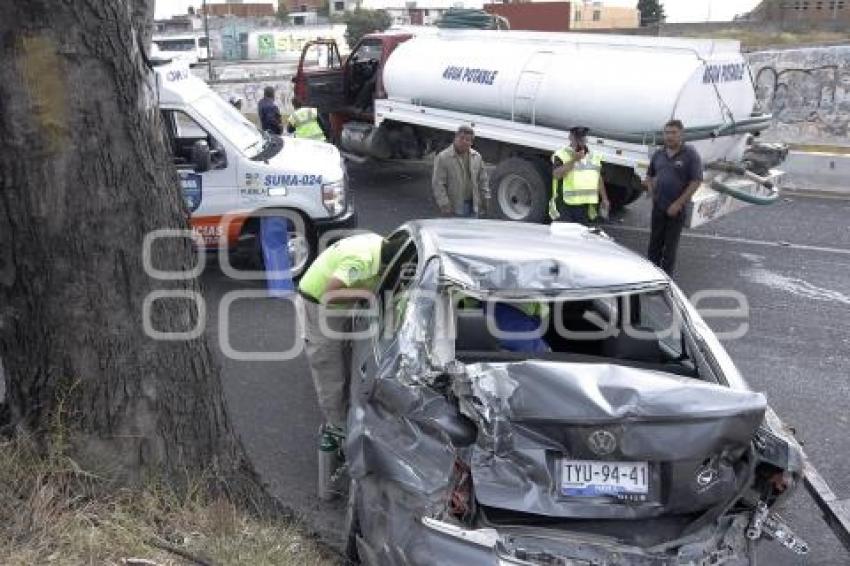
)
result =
(84, 176)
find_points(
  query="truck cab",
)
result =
(344, 89)
(232, 173)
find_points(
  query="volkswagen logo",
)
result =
(707, 476)
(602, 442)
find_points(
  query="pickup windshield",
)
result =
(231, 124)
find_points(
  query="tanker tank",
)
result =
(617, 85)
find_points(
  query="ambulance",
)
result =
(232, 174)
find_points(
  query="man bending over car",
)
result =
(353, 263)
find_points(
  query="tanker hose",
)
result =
(466, 18)
(723, 186)
(750, 125)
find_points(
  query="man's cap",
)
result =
(579, 131)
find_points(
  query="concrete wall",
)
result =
(287, 44)
(250, 91)
(822, 172)
(807, 91)
(686, 29)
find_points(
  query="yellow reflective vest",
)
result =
(581, 185)
(305, 120)
(355, 261)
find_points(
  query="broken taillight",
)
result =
(460, 496)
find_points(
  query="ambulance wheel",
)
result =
(302, 251)
(519, 191)
(302, 248)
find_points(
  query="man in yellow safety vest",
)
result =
(577, 185)
(304, 123)
(336, 279)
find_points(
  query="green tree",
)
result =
(86, 177)
(360, 22)
(651, 12)
(282, 13)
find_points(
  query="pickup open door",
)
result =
(320, 81)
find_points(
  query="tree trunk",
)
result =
(84, 176)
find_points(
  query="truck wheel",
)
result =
(519, 190)
(619, 196)
(623, 186)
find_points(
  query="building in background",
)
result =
(595, 15)
(537, 16)
(565, 16)
(406, 12)
(179, 24)
(295, 6)
(241, 9)
(306, 18)
(790, 11)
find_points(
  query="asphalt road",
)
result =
(791, 260)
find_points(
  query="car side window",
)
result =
(182, 132)
(658, 315)
(394, 293)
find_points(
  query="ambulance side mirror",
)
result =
(201, 158)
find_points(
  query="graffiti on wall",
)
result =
(250, 93)
(798, 94)
(807, 91)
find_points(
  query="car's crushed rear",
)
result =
(603, 441)
(470, 456)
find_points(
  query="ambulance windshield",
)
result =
(230, 123)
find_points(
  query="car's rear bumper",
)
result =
(440, 542)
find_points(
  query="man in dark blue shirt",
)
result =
(674, 175)
(270, 119)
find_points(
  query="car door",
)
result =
(320, 80)
(375, 328)
(207, 193)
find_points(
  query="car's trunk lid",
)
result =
(685, 440)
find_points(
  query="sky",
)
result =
(676, 10)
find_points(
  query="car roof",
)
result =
(493, 255)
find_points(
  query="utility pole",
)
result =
(209, 44)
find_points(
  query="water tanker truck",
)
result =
(402, 95)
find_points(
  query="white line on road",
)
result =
(794, 285)
(734, 239)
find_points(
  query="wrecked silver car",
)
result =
(616, 432)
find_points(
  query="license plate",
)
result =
(590, 478)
